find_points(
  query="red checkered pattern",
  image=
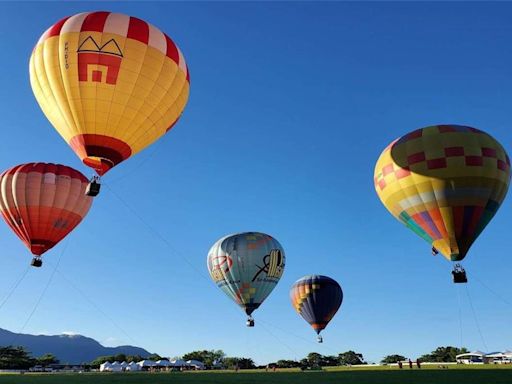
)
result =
(399, 173)
(470, 160)
(441, 162)
(440, 129)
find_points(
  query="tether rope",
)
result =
(14, 287)
(41, 295)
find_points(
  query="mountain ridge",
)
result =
(68, 348)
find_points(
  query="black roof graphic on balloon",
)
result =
(90, 45)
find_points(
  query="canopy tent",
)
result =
(163, 363)
(178, 363)
(116, 367)
(470, 357)
(195, 364)
(105, 366)
(499, 357)
(146, 363)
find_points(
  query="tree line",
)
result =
(19, 358)
(439, 355)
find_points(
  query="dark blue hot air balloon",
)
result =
(317, 299)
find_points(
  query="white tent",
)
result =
(195, 364)
(124, 364)
(132, 366)
(177, 363)
(116, 366)
(499, 357)
(146, 363)
(105, 367)
(163, 363)
(476, 357)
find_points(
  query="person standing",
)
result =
(410, 364)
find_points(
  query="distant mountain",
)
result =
(72, 349)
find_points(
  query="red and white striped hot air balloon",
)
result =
(43, 203)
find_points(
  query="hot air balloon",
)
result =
(246, 266)
(316, 298)
(43, 203)
(444, 182)
(109, 83)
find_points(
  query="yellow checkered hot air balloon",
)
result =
(445, 182)
(109, 83)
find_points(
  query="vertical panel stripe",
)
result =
(55, 29)
(74, 23)
(94, 22)
(157, 39)
(181, 63)
(117, 23)
(138, 30)
(172, 50)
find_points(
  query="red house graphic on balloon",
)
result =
(106, 60)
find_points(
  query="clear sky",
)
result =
(291, 105)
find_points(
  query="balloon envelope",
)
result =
(316, 298)
(42, 203)
(246, 266)
(109, 83)
(445, 183)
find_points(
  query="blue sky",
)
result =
(291, 105)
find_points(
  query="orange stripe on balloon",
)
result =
(436, 216)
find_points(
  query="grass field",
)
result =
(432, 375)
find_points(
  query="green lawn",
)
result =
(433, 375)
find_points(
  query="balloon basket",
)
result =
(36, 262)
(93, 188)
(459, 274)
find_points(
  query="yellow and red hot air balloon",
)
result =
(43, 203)
(109, 83)
(445, 182)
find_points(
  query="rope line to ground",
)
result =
(476, 319)
(491, 290)
(142, 161)
(459, 302)
(280, 341)
(14, 287)
(157, 234)
(95, 306)
(43, 292)
(287, 332)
